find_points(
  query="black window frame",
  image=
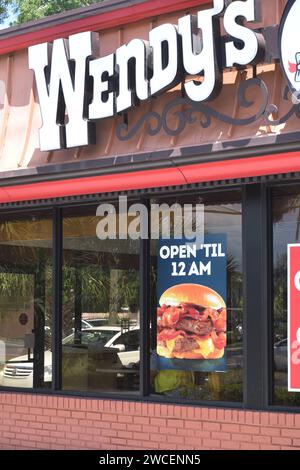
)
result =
(257, 279)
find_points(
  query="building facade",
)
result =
(119, 120)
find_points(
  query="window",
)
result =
(130, 341)
(190, 299)
(26, 301)
(100, 281)
(195, 341)
(286, 230)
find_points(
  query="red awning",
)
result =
(202, 172)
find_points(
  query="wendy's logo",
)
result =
(295, 68)
(289, 46)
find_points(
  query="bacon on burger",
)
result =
(191, 323)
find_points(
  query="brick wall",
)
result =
(43, 422)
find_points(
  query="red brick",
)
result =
(177, 411)
(109, 432)
(192, 424)
(270, 431)
(9, 435)
(221, 435)
(290, 420)
(186, 432)
(141, 420)
(125, 419)
(212, 414)
(264, 419)
(9, 422)
(134, 427)
(293, 433)
(49, 412)
(124, 434)
(63, 428)
(249, 429)
(212, 444)
(41, 422)
(297, 421)
(242, 437)
(228, 416)
(141, 436)
(248, 446)
(249, 417)
(117, 440)
(211, 426)
(175, 423)
(64, 413)
(262, 439)
(78, 414)
(174, 439)
(256, 418)
(85, 423)
(57, 420)
(118, 426)
(94, 416)
(203, 434)
(282, 441)
(150, 429)
(109, 417)
(230, 445)
(158, 438)
(230, 427)
(158, 422)
(11, 409)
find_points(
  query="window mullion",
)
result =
(57, 301)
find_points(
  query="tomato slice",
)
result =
(169, 333)
(220, 324)
(219, 340)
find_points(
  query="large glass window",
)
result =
(100, 312)
(286, 230)
(26, 301)
(197, 300)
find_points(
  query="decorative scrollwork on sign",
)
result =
(183, 112)
(153, 127)
(272, 110)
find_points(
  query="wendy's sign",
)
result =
(293, 344)
(77, 87)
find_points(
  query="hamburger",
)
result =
(191, 323)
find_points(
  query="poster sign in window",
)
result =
(191, 297)
(293, 344)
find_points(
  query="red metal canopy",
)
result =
(230, 169)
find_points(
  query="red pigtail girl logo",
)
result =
(289, 46)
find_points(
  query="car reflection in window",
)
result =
(280, 355)
(18, 372)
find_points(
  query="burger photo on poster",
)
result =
(191, 323)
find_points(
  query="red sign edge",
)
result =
(290, 245)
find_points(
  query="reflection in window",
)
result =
(286, 230)
(201, 330)
(26, 301)
(100, 313)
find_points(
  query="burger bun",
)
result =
(194, 294)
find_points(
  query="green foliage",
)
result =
(28, 10)
(3, 10)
